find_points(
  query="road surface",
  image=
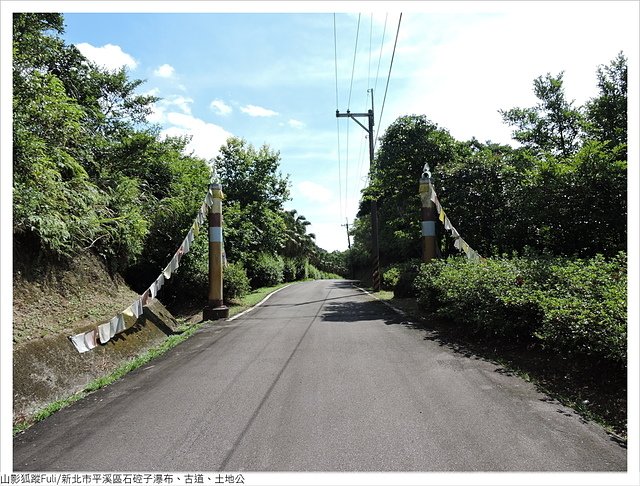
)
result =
(321, 377)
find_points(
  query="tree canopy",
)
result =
(562, 191)
(91, 174)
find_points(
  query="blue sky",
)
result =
(270, 76)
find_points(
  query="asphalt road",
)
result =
(321, 377)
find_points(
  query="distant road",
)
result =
(321, 377)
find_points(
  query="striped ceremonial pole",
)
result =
(428, 223)
(215, 308)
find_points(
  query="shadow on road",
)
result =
(358, 311)
(312, 301)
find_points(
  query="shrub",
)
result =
(235, 281)
(390, 277)
(313, 273)
(265, 270)
(302, 268)
(404, 285)
(569, 306)
(290, 270)
(585, 309)
(490, 297)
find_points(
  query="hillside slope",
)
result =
(63, 298)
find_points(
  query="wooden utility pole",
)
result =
(374, 203)
(348, 237)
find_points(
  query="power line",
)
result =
(370, 42)
(384, 30)
(388, 77)
(346, 170)
(335, 56)
(353, 68)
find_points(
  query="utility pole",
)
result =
(374, 202)
(348, 238)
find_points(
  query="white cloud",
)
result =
(109, 56)
(165, 71)
(253, 110)
(314, 192)
(220, 107)
(490, 71)
(181, 102)
(152, 92)
(330, 236)
(206, 138)
(163, 106)
(296, 124)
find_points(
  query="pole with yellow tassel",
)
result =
(429, 217)
(215, 308)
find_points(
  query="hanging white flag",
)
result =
(104, 331)
(447, 224)
(113, 323)
(154, 290)
(166, 273)
(79, 343)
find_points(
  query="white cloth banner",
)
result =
(166, 273)
(154, 290)
(458, 243)
(209, 199)
(136, 308)
(79, 343)
(86, 341)
(104, 331)
(113, 325)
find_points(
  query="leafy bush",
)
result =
(390, 277)
(235, 281)
(489, 297)
(585, 308)
(290, 270)
(313, 273)
(302, 268)
(404, 284)
(569, 306)
(265, 270)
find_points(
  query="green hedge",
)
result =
(265, 270)
(236, 283)
(571, 306)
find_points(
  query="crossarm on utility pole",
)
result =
(374, 203)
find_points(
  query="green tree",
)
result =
(249, 175)
(408, 143)
(297, 241)
(553, 125)
(606, 114)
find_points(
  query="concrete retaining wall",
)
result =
(50, 369)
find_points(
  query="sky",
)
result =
(268, 72)
(270, 77)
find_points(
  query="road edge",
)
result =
(268, 296)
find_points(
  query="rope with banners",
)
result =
(126, 319)
(459, 242)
